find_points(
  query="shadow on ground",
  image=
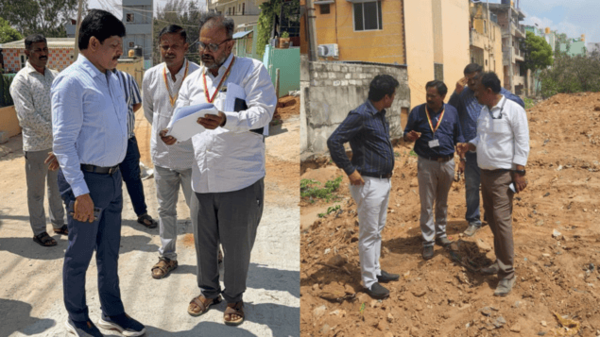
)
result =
(15, 316)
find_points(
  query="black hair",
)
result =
(173, 29)
(442, 89)
(491, 80)
(472, 68)
(34, 38)
(215, 18)
(382, 85)
(101, 25)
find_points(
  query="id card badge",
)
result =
(434, 143)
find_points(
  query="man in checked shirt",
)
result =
(370, 173)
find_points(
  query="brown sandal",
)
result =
(163, 268)
(202, 303)
(64, 230)
(236, 308)
(44, 239)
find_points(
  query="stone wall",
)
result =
(330, 90)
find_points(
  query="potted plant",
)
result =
(284, 40)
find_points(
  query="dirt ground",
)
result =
(446, 296)
(31, 276)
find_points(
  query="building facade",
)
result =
(61, 54)
(243, 12)
(485, 38)
(137, 18)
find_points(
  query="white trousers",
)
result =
(371, 201)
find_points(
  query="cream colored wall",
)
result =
(498, 52)
(419, 47)
(455, 26)
(9, 122)
(135, 69)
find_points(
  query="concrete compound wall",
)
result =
(332, 89)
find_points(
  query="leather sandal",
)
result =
(199, 305)
(236, 308)
(163, 267)
(64, 230)
(147, 221)
(44, 239)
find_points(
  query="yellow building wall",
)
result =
(384, 46)
(455, 26)
(497, 43)
(135, 69)
(419, 47)
(9, 122)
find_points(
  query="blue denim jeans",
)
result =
(130, 169)
(472, 183)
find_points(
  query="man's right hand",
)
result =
(84, 208)
(460, 85)
(169, 140)
(356, 178)
(413, 135)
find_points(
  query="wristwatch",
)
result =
(521, 172)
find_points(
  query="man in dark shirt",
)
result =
(465, 102)
(435, 128)
(369, 172)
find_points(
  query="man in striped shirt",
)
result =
(370, 173)
(130, 167)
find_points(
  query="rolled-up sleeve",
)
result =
(344, 132)
(521, 133)
(261, 100)
(67, 119)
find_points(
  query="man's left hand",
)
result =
(52, 161)
(520, 182)
(461, 167)
(211, 122)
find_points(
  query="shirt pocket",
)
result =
(500, 126)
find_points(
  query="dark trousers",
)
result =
(103, 235)
(130, 169)
(498, 203)
(232, 219)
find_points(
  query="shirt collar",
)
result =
(30, 69)
(500, 103)
(224, 66)
(371, 108)
(89, 66)
(181, 71)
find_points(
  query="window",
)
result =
(244, 8)
(325, 9)
(367, 16)
(484, 27)
(131, 44)
(129, 17)
(23, 59)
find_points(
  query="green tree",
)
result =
(538, 54)
(8, 33)
(183, 13)
(268, 11)
(40, 16)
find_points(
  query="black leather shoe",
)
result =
(428, 252)
(386, 277)
(378, 292)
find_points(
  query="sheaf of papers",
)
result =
(184, 123)
(235, 91)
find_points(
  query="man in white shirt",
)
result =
(30, 91)
(172, 164)
(502, 145)
(228, 173)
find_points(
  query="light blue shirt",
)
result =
(89, 121)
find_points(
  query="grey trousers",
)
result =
(498, 203)
(37, 176)
(435, 179)
(231, 219)
(167, 193)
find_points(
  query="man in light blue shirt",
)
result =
(89, 124)
(465, 102)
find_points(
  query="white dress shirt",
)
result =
(231, 157)
(89, 120)
(30, 92)
(158, 111)
(502, 139)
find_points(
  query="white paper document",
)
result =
(184, 123)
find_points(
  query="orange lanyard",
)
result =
(173, 99)
(210, 99)
(438, 123)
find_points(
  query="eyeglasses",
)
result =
(213, 47)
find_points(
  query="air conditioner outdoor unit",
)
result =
(328, 50)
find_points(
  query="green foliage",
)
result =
(285, 35)
(528, 103)
(8, 33)
(538, 53)
(6, 97)
(396, 154)
(268, 11)
(309, 188)
(413, 153)
(571, 74)
(330, 210)
(47, 17)
(184, 13)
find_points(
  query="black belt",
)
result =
(99, 169)
(380, 176)
(440, 159)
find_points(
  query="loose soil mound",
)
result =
(447, 296)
